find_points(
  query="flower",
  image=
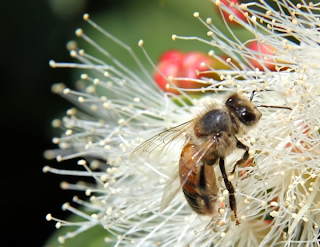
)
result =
(277, 191)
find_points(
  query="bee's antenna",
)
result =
(252, 94)
(273, 106)
(254, 91)
(268, 106)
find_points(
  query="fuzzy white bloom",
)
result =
(277, 193)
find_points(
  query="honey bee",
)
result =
(208, 140)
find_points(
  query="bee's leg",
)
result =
(245, 156)
(232, 198)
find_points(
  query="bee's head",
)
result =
(246, 111)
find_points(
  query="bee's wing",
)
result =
(156, 148)
(171, 189)
(174, 185)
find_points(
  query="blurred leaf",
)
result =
(67, 8)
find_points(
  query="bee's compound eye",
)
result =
(245, 116)
(229, 101)
(248, 116)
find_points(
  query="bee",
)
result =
(208, 140)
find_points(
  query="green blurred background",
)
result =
(32, 33)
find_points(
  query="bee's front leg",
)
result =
(245, 156)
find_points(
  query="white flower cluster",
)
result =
(277, 192)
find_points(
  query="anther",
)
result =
(79, 32)
(85, 16)
(140, 43)
(48, 217)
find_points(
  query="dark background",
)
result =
(31, 35)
